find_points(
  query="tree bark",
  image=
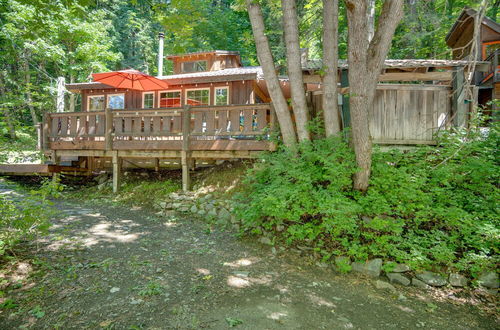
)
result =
(6, 110)
(330, 63)
(266, 61)
(29, 98)
(370, 14)
(365, 64)
(299, 104)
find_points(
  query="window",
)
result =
(489, 48)
(198, 96)
(148, 100)
(116, 101)
(95, 103)
(170, 99)
(221, 95)
(195, 66)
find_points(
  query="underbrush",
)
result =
(134, 191)
(22, 149)
(24, 217)
(431, 208)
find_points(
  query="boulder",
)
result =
(398, 278)
(193, 209)
(400, 268)
(370, 268)
(458, 280)
(212, 212)
(101, 178)
(224, 214)
(384, 286)
(201, 212)
(342, 260)
(489, 280)
(432, 279)
(265, 240)
(419, 284)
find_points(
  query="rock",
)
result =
(212, 212)
(370, 268)
(265, 240)
(489, 280)
(402, 297)
(280, 228)
(384, 286)
(342, 260)
(366, 219)
(400, 268)
(193, 209)
(456, 279)
(183, 208)
(419, 284)
(201, 212)
(101, 178)
(176, 205)
(224, 215)
(114, 289)
(162, 204)
(398, 278)
(432, 279)
(209, 207)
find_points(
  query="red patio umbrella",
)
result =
(131, 79)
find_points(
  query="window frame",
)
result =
(485, 45)
(196, 89)
(169, 91)
(97, 95)
(143, 99)
(215, 94)
(108, 97)
(196, 61)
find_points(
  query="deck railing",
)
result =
(231, 127)
(493, 68)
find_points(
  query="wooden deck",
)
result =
(188, 133)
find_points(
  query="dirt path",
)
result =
(117, 268)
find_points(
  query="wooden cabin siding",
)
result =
(496, 92)
(240, 92)
(214, 62)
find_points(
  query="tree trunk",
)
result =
(29, 98)
(266, 61)
(365, 64)
(71, 95)
(370, 14)
(330, 63)
(299, 104)
(6, 110)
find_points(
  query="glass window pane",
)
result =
(170, 99)
(196, 66)
(198, 97)
(148, 100)
(221, 96)
(96, 103)
(116, 101)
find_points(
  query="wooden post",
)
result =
(186, 128)
(45, 131)
(108, 136)
(117, 172)
(157, 164)
(459, 107)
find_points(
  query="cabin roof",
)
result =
(402, 64)
(467, 17)
(230, 74)
(212, 52)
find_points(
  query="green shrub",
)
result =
(25, 217)
(429, 208)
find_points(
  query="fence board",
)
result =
(210, 120)
(234, 118)
(247, 120)
(222, 122)
(91, 125)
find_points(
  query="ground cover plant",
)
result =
(432, 208)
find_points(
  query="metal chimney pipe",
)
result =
(161, 37)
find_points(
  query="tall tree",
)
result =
(366, 61)
(330, 66)
(299, 105)
(266, 61)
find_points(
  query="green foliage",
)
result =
(25, 217)
(432, 207)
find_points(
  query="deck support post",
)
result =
(45, 132)
(186, 127)
(108, 137)
(157, 164)
(117, 171)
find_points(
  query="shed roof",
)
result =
(403, 64)
(467, 17)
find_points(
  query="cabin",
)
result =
(483, 47)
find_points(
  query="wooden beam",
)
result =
(117, 169)
(186, 129)
(108, 137)
(396, 76)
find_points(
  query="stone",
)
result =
(193, 209)
(419, 284)
(224, 214)
(384, 286)
(342, 260)
(212, 212)
(101, 178)
(280, 228)
(201, 212)
(432, 279)
(398, 279)
(114, 289)
(162, 205)
(489, 280)
(370, 268)
(366, 219)
(176, 205)
(184, 208)
(209, 207)
(458, 280)
(265, 240)
(400, 268)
